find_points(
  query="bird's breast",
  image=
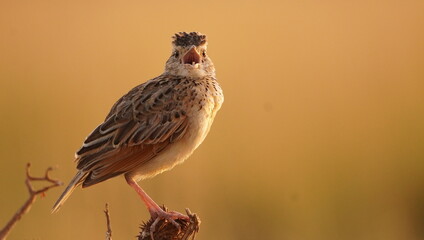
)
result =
(201, 113)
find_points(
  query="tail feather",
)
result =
(75, 182)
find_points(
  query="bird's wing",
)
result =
(139, 126)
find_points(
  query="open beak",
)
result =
(191, 57)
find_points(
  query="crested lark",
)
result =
(155, 126)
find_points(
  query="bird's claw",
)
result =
(167, 216)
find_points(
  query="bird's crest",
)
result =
(184, 39)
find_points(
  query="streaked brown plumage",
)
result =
(156, 125)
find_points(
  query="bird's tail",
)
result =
(75, 182)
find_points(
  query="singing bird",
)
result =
(155, 126)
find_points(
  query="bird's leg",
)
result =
(155, 211)
(150, 204)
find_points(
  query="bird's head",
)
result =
(189, 57)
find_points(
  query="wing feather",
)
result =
(139, 126)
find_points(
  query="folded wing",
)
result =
(139, 126)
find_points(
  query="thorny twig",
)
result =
(109, 229)
(32, 196)
(165, 230)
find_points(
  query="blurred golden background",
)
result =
(321, 135)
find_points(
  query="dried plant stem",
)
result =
(109, 229)
(32, 196)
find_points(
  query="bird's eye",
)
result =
(176, 54)
(204, 53)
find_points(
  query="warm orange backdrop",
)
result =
(321, 135)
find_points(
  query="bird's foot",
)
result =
(160, 214)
